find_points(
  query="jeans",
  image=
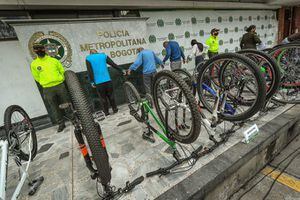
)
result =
(198, 59)
(148, 79)
(175, 65)
(106, 94)
(55, 96)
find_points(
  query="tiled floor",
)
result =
(66, 177)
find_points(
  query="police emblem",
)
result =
(56, 46)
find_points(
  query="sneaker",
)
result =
(149, 137)
(61, 127)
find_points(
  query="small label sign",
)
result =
(250, 133)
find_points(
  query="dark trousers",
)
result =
(212, 54)
(148, 80)
(106, 94)
(198, 60)
(55, 96)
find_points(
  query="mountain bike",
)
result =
(288, 59)
(230, 86)
(268, 67)
(20, 143)
(90, 139)
(177, 110)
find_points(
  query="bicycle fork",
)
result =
(84, 151)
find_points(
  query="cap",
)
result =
(38, 46)
(214, 30)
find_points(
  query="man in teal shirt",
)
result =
(96, 64)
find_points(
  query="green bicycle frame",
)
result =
(163, 135)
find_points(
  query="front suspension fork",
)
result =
(84, 151)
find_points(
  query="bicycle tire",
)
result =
(90, 128)
(130, 88)
(272, 52)
(274, 67)
(185, 73)
(8, 126)
(195, 115)
(259, 102)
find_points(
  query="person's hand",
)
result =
(128, 72)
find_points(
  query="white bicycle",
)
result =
(21, 144)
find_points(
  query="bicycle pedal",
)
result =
(94, 176)
(35, 184)
(148, 138)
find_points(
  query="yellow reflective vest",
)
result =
(47, 71)
(213, 43)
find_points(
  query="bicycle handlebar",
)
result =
(135, 182)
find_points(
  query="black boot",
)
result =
(61, 127)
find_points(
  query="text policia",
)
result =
(115, 39)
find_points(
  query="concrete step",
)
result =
(229, 171)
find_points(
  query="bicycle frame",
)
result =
(3, 167)
(4, 163)
(164, 133)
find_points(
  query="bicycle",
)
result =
(227, 84)
(287, 57)
(170, 128)
(90, 139)
(19, 132)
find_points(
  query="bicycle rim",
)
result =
(240, 87)
(288, 58)
(172, 94)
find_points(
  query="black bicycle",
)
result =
(89, 136)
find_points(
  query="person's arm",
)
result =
(60, 68)
(157, 60)
(35, 74)
(168, 51)
(256, 39)
(242, 43)
(138, 62)
(112, 63)
(182, 54)
(90, 71)
(207, 42)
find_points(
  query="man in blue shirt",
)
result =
(174, 53)
(148, 60)
(96, 64)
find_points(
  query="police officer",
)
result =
(96, 64)
(49, 73)
(213, 43)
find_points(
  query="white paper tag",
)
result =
(250, 133)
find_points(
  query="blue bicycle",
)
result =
(230, 86)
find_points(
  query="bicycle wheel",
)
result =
(20, 131)
(268, 67)
(91, 130)
(186, 76)
(240, 87)
(288, 59)
(176, 106)
(132, 95)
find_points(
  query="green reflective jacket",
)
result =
(47, 71)
(213, 43)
